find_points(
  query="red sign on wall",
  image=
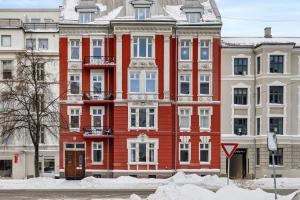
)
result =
(229, 149)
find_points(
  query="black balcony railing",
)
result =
(99, 60)
(103, 95)
(98, 131)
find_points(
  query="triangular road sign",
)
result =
(229, 149)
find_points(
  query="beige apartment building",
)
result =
(22, 29)
(261, 94)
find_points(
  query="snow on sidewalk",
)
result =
(268, 183)
(193, 192)
(124, 182)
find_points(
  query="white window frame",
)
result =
(189, 153)
(70, 49)
(97, 46)
(102, 152)
(183, 81)
(135, 75)
(205, 81)
(151, 79)
(210, 113)
(209, 49)
(143, 140)
(70, 108)
(193, 15)
(187, 113)
(92, 108)
(43, 48)
(248, 67)
(137, 127)
(11, 66)
(145, 10)
(2, 40)
(260, 87)
(278, 53)
(101, 74)
(69, 84)
(205, 140)
(83, 16)
(149, 41)
(185, 46)
(33, 40)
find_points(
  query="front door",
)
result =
(238, 164)
(74, 164)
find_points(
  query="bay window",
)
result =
(142, 47)
(134, 81)
(150, 82)
(142, 117)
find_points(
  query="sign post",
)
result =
(229, 149)
(272, 146)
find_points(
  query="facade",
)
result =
(37, 28)
(140, 88)
(260, 86)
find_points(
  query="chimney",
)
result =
(268, 32)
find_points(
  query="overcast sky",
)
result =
(240, 17)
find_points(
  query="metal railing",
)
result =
(99, 60)
(97, 95)
(98, 131)
(10, 23)
(41, 26)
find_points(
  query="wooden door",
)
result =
(80, 164)
(74, 164)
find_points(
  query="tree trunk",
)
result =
(36, 161)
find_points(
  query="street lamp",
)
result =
(272, 146)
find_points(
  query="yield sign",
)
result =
(229, 148)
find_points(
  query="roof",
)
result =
(258, 41)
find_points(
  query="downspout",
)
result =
(175, 101)
(255, 119)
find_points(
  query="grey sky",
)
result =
(240, 17)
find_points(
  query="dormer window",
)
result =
(86, 17)
(193, 18)
(142, 13)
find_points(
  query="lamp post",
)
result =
(272, 146)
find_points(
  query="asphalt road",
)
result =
(84, 195)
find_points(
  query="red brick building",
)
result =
(140, 88)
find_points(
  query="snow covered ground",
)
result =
(179, 187)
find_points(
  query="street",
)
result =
(82, 195)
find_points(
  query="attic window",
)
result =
(193, 18)
(86, 17)
(142, 13)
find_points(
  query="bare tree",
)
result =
(30, 109)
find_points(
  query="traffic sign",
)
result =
(229, 149)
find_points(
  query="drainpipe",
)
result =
(255, 113)
(175, 101)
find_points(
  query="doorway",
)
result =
(238, 164)
(6, 168)
(74, 161)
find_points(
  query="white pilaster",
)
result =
(119, 67)
(167, 67)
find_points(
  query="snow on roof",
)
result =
(255, 41)
(69, 12)
(111, 15)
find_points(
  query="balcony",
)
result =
(10, 23)
(98, 132)
(91, 97)
(41, 27)
(99, 62)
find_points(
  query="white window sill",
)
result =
(207, 61)
(142, 128)
(240, 106)
(142, 163)
(276, 105)
(205, 130)
(204, 163)
(276, 166)
(77, 60)
(185, 60)
(74, 129)
(184, 163)
(185, 129)
(97, 163)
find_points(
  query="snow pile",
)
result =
(268, 183)
(192, 192)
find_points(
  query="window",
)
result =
(142, 117)
(142, 13)
(7, 69)
(43, 44)
(276, 63)
(258, 95)
(240, 126)
(6, 40)
(40, 72)
(240, 96)
(204, 148)
(49, 165)
(38, 105)
(204, 84)
(276, 125)
(42, 135)
(75, 84)
(5, 168)
(257, 156)
(35, 20)
(143, 152)
(278, 157)
(74, 118)
(97, 48)
(31, 44)
(97, 118)
(97, 86)
(184, 118)
(205, 49)
(193, 17)
(258, 65)
(185, 49)
(184, 84)
(241, 66)
(142, 47)
(97, 153)
(134, 80)
(205, 118)
(276, 94)
(150, 82)
(75, 55)
(257, 126)
(86, 17)
(184, 152)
